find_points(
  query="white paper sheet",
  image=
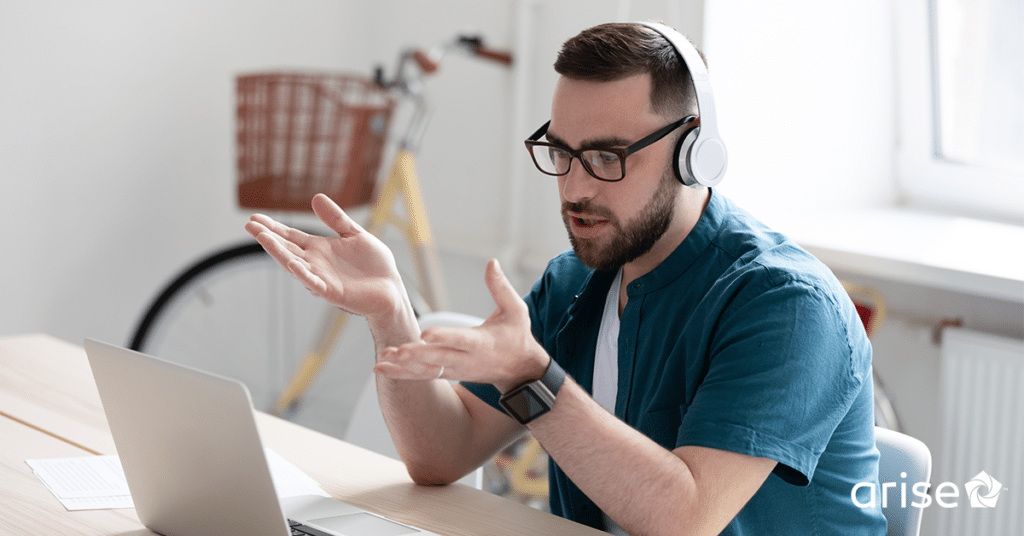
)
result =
(85, 483)
(290, 481)
(97, 482)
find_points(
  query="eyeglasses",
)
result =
(604, 164)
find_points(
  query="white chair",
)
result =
(367, 428)
(902, 459)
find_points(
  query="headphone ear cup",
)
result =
(682, 157)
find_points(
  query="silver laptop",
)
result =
(193, 459)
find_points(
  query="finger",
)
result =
(311, 281)
(285, 232)
(331, 214)
(457, 338)
(418, 352)
(503, 293)
(397, 372)
(409, 361)
(255, 228)
(277, 248)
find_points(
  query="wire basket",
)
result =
(300, 134)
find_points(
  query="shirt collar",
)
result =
(696, 242)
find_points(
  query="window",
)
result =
(961, 77)
(979, 82)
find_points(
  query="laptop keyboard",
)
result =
(298, 529)
(363, 523)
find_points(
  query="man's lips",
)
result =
(586, 225)
(585, 219)
(587, 222)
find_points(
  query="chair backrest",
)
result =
(902, 459)
(367, 428)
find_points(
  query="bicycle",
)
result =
(196, 317)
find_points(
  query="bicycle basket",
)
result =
(300, 134)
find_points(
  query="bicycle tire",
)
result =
(143, 332)
(236, 313)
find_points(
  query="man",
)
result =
(718, 378)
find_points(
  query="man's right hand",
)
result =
(357, 272)
(354, 271)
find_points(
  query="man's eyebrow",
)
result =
(595, 143)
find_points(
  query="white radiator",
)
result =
(982, 450)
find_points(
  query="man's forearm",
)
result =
(430, 425)
(426, 421)
(644, 487)
(639, 484)
(409, 407)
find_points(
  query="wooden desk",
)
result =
(49, 407)
(27, 507)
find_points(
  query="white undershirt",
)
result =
(606, 366)
(606, 355)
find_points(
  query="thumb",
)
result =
(504, 294)
(331, 214)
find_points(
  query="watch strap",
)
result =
(553, 377)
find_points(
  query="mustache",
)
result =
(587, 208)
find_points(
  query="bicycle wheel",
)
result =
(238, 314)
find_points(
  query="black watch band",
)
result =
(536, 397)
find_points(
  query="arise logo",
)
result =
(991, 494)
(982, 491)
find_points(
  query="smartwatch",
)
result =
(535, 397)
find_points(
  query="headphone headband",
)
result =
(702, 158)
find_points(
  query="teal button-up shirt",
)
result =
(739, 341)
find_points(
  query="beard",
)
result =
(632, 239)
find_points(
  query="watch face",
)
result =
(526, 404)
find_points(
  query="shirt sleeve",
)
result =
(782, 373)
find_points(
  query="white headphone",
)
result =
(700, 155)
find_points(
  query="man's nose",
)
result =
(578, 185)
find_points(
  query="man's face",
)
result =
(628, 240)
(613, 223)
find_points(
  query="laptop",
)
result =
(193, 459)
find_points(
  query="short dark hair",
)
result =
(613, 51)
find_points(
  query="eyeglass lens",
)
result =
(556, 161)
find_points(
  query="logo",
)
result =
(991, 494)
(983, 492)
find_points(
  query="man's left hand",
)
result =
(502, 351)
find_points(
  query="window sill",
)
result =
(945, 252)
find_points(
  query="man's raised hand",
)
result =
(354, 270)
(501, 351)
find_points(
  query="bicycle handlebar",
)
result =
(429, 62)
(410, 86)
(426, 64)
(494, 55)
(476, 46)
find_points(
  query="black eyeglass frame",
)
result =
(621, 152)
